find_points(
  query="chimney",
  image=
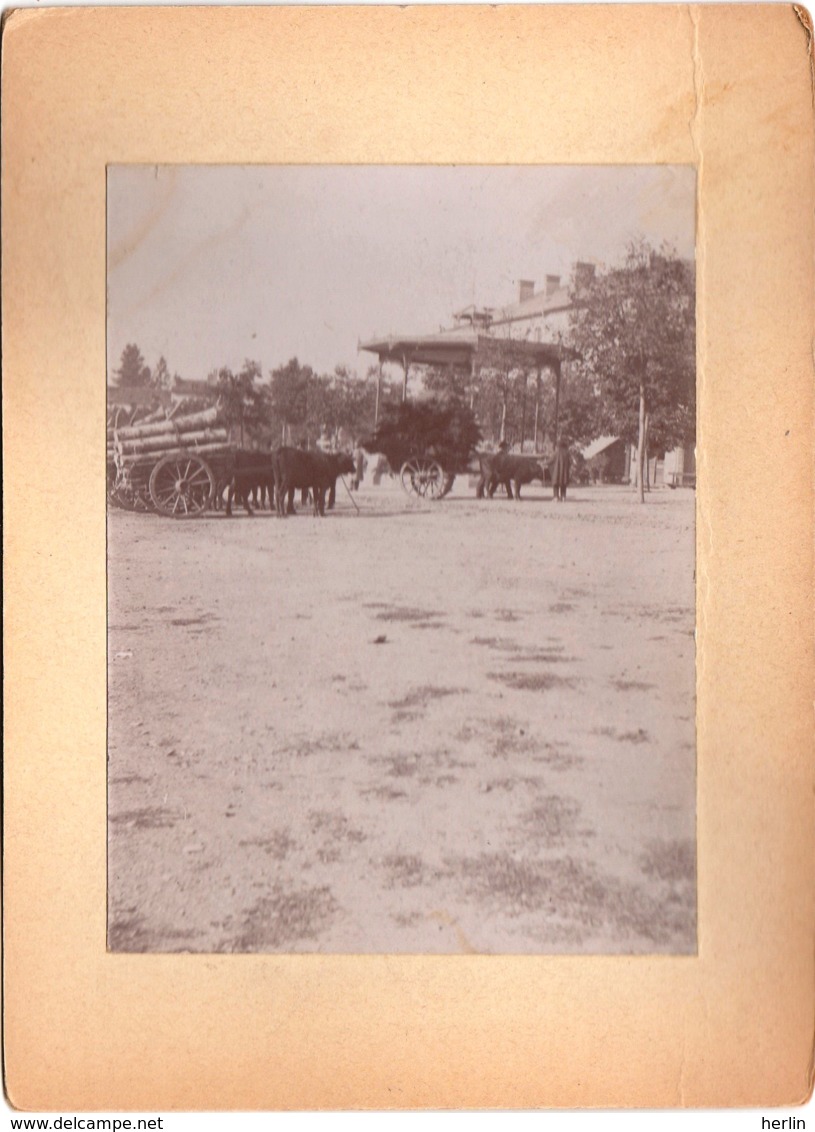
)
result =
(527, 290)
(552, 285)
(583, 274)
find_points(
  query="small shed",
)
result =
(607, 460)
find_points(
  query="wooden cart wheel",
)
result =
(449, 480)
(432, 477)
(409, 477)
(181, 485)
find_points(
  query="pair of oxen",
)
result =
(284, 471)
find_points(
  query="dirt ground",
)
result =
(464, 726)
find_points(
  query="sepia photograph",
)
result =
(401, 559)
(418, 715)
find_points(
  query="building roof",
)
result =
(599, 445)
(460, 346)
(534, 307)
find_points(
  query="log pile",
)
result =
(195, 433)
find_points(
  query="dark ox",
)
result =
(317, 472)
(252, 474)
(503, 468)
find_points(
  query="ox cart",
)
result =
(428, 443)
(174, 467)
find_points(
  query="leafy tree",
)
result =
(132, 371)
(242, 402)
(578, 410)
(448, 382)
(289, 394)
(634, 329)
(161, 379)
(502, 400)
(353, 400)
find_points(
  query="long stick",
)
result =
(350, 496)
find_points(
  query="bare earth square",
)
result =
(294, 766)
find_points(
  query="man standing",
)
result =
(560, 470)
(359, 466)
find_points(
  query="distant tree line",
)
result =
(296, 404)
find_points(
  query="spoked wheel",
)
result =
(447, 487)
(409, 477)
(424, 478)
(433, 480)
(181, 486)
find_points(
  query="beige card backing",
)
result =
(727, 89)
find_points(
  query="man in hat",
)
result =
(560, 469)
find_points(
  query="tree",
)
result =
(578, 410)
(242, 403)
(289, 394)
(132, 371)
(505, 369)
(161, 378)
(449, 382)
(634, 329)
(353, 401)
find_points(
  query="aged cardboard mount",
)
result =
(726, 89)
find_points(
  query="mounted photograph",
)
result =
(401, 559)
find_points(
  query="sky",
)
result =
(211, 265)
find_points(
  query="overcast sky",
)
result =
(209, 265)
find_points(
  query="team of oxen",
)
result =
(256, 477)
(276, 476)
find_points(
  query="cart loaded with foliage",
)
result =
(427, 443)
(172, 466)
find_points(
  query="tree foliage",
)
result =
(242, 403)
(132, 371)
(341, 402)
(447, 382)
(579, 411)
(634, 329)
(161, 378)
(289, 393)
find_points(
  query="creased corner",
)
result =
(805, 19)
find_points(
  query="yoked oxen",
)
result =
(252, 473)
(316, 472)
(499, 468)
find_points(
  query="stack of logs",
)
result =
(149, 442)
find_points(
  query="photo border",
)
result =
(726, 89)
